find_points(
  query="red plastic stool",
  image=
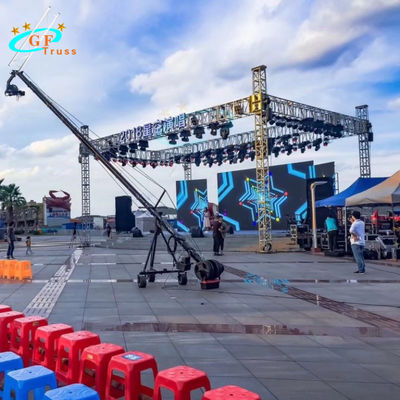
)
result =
(123, 375)
(4, 308)
(22, 336)
(230, 392)
(6, 319)
(94, 363)
(46, 343)
(181, 380)
(70, 347)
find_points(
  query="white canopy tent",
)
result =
(386, 193)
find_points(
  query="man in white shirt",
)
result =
(357, 240)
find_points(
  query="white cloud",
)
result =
(50, 147)
(334, 23)
(394, 104)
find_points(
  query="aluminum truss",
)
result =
(265, 109)
(84, 154)
(364, 139)
(260, 109)
(241, 108)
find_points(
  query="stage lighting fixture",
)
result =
(123, 149)
(177, 159)
(143, 144)
(144, 163)
(326, 142)
(198, 132)
(252, 155)
(302, 149)
(106, 155)
(317, 142)
(213, 126)
(280, 122)
(224, 130)
(289, 123)
(153, 164)
(113, 150)
(132, 147)
(185, 133)
(124, 161)
(194, 121)
(172, 138)
(271, 118)
(12, 90)
(133, 163)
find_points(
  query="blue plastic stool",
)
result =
(22, 381)
(9, 361)
(76, 391)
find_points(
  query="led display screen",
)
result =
(191, 200)
(237, 194)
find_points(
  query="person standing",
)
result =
(28, 243)
(222, 229)
(108, 229)
(331, 228)
(206, 220)
(10, 240)
(357, 240)
(216, 237)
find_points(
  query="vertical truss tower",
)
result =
(363, 143)
(259, 106)
(84, 154)
(187, 166)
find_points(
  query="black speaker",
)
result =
(124, 218)
(321, 192)
(136, 232)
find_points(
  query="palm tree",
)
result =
(10, 196)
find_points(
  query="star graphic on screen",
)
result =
(61, 27)
(27, 26)
(15, 30)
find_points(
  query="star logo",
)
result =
(61, 27)
(15, 30)
(27, 26)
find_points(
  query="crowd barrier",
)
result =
(15, 269)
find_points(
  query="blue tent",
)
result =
(339, 200)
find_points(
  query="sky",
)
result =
(141, 61)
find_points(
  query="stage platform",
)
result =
(285, 325)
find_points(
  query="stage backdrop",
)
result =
(191, 200)
(237, 195)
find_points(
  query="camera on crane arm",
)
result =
(11, 89)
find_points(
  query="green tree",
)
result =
(10, 197)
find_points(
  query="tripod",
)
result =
(180, 266)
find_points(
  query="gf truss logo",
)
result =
(37, 41)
